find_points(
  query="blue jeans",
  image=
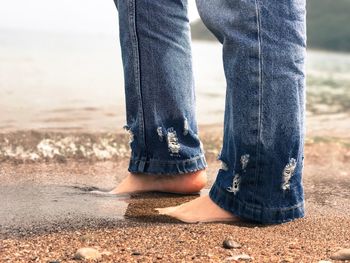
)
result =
(262, 155)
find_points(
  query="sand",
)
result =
(50, 214)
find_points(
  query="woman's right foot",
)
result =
(199, 210)
(188, 183)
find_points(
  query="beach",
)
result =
(61, 142)
(51, 211)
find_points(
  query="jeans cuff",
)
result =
(253, 212)
(159, 167)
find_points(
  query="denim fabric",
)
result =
(159, 87)
(264, 44)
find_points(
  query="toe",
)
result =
(166, 210)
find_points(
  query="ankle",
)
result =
(191, 182)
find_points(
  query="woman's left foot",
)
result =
(201, 209)
(188, 183)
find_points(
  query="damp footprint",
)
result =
(95, 191)
(91, 190)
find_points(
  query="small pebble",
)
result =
(136, 253)
(294, 245)
(106, 253)
(87, 253)
(244, 257)
(229, 244)
(85, 237)
(287, 260)
(343, 254)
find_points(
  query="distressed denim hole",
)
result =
(224, 166)
(160, 133)
(235, 184)
(131, 134)
(173, 143)
(201, 146)
(287, 174)
(244, 161)
(186, 127)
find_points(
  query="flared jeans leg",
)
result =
(159, 87)
(262, 153)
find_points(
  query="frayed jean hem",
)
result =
(158, 167)
(255, 213)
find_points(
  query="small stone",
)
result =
(244, 257)
(287, 260)
(106, 253)
(294, 245)
(229, 244)
(54, 261)
(136, 253)
(85, 238)
(87, 253)
(343, 254)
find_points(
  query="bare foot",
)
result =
(180, 184)
(201, 209)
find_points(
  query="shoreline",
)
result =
(35, 146)
(50, 211)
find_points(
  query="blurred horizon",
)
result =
(67, 72)
(65, 16)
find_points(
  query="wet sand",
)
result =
(48, 211)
